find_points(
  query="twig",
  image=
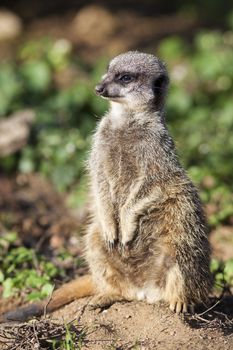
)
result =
(225, 316)
(83, 310)
(35, 334)
(212, 307)
(201, 319)
(50, 298)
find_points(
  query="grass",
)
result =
(28, 273)
(72, 339)
(24, 270)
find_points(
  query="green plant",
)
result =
(223, 273)
(199, 114)
(65, 115)
(22, 269)
(59, 154)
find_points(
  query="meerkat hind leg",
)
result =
(175, 292)
(105, 300)
(181, 307)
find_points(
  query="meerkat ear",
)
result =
(159, 87)
(160, 84)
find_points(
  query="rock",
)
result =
(10, 25)
(93, 26)
(14, 131)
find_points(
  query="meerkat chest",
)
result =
(117, 160)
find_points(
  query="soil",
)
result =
(30, 205)
(137, 325)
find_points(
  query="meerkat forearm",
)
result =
(142, 199)
(107, 223)
(105, 213)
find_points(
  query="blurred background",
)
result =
(52, 53)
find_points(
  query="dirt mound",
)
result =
(125, 326)
(138, 325)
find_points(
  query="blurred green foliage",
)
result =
(22, 268)
(200, 114)
(29, 271)
(48, 77)
(222, 273)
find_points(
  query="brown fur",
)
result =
(147, 239)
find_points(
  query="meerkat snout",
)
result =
(135, 80)
(99, 89)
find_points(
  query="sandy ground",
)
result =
(137, 325)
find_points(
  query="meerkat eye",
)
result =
(126, 78)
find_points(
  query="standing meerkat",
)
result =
(147, 239)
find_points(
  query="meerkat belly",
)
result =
(121, 171)
(149, 293)
(143, 283)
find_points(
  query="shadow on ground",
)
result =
(218, 316)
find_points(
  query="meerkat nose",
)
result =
(99, 89)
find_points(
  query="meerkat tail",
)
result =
(79, 288)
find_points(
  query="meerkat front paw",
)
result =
(110, 235)
(181, 307)
(127, 227)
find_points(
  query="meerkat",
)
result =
(147, 239)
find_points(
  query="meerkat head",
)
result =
(136, 80)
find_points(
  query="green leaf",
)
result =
(49, 269)
(172, 48)
(10, 237)
(34, 281)
(34, 296)
(1, 276)
(47, 289)
(37, 75)
(8, 290)
(228, 270)
(215, 265)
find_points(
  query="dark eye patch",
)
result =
(160, 83)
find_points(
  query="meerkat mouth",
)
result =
(113, 98)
